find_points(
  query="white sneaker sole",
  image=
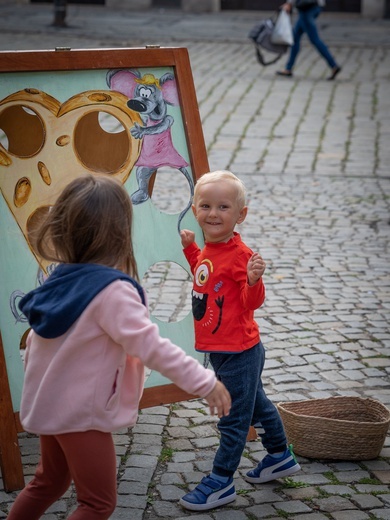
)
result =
(208, 505)
(270, 477)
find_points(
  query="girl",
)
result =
(91, 337)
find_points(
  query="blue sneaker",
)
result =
(271, 468)
(209, 494)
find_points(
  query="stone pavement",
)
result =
(315, 158)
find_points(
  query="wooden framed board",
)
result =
(123, 112)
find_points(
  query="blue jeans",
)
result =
(306, 23)
(241, 374)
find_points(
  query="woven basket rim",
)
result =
(282, 406)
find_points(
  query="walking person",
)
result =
(227, 288)
(91, 338)
(306, 23)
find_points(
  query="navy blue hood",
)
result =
(52, 308)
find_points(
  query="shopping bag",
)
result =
(282, 33)
(261, 34)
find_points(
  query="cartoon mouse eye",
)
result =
(202, 275)
(144, 92)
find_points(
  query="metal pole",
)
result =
(59, 13)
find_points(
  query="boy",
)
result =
(227, 289)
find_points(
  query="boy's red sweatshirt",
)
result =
(223, 303)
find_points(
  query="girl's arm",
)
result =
(124, 318)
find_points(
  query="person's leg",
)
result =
(298, 31)
(52, 478)
(92, 464)
(280, 460)
(308, 20)
(266, 414)
(240, 374)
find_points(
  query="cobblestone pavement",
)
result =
(315, 158)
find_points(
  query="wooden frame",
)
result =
(84, 60)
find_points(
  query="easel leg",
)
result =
(10, 458)
(252, 434)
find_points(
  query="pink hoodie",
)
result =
(92, 377)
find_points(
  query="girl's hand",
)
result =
(256, 267)
(187, 237)
(219, 398)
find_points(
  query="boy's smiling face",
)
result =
(217, 210)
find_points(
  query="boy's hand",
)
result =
(256, 267)
(219, 398)
(187, 237)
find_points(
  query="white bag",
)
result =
(282, 33)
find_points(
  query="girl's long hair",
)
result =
(91, 222)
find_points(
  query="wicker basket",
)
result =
(343, 428)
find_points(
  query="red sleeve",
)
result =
(192, 253)
(252, 296)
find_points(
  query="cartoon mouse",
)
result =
(149, 96)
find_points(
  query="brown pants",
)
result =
(87, 458)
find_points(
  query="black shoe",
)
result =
(335, 71)
(286, 73)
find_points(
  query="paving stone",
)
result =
(313, 479)
(334, 503)
(377, 465)
(179, 444)
(230, 515)
(166, 509)
(183, 456)
(366, 501)
(148, 429)
(170, 492)
(304, 493)
(146, 449)
(261, 511)
(133, 488)
(152, 440)
(171, 478)
(383, 476)
(265, 496)
(180, 431)
(311, 516)
(371, 488)
(352, 476)
(293, 506)
(193, 477)
(132, 501)
(138, 474)
(123, 514)
(315, 467)
(142, 461)
(380, 514)
(350, 515)
(206, 443)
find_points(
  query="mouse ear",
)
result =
(123, 81)
(169, 89)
